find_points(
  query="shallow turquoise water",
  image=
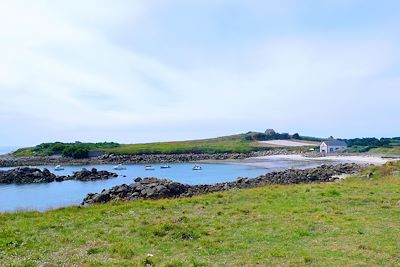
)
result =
(58, 194)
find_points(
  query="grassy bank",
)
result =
(76, 150)
(386, 151)
(230, 144)
(354, 222)
(239, 143)
(24, 152)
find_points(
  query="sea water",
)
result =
(59, 194)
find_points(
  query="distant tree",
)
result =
(284, 136)
(76, 152)
(255, 136)
(296, 136)
(371, 142)
(270, 132)
(57, 148)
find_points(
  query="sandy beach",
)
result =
(375, 160)
(297, 161)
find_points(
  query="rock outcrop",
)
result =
(140, 159)
(91, 175)
(153, 188)
(27, 175)
(147, 188)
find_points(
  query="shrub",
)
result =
(57, 148)
(387, 169)
(371, 142)
(296, 136)
(76, 152)
(255, 136)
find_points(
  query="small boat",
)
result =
(165, 167)
(148, 168)
(119, 167)
(58, 168)
(197, 168)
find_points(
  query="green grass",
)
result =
(24, 152)
(240, 143)
(231, 144)
(227, 144)
(59, 148)
(386, 151)
(350, 223)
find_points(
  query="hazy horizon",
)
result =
(145, 71)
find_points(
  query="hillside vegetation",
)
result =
(75, 150)
(349, 223)
(240, 143)
(374, 145)
(386, 151)
(229, 144)
(232, 144)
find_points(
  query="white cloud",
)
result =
(64, 77)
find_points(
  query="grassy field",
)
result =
(350, 223)
(239, 143)
(383, 151)
(24, 152)
(227, 144)
(233, 144)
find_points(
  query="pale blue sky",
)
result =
(138, 71)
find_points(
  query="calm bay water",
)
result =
(58, 194)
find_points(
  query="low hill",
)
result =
(240, 143)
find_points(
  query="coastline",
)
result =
(11, 161)
(282, 169)
(259, 159)
(155, 188)
(360, 159)
(264, 161)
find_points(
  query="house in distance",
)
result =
(332, 145)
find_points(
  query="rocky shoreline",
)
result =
(26, 175)
(10, 161)
(154, 188)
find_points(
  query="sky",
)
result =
(138, 71)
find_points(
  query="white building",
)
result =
(332, 145)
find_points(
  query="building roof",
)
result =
(334, 142)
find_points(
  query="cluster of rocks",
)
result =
(147, 188)
(142, 158)
(153, 188)
(190, 157)
(27, 175)
(11, 161)
(91, 175)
